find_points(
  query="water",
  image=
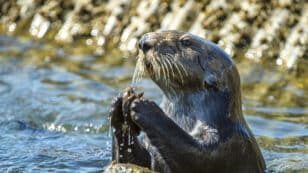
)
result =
(54, 105)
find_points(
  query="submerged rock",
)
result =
(126, 168)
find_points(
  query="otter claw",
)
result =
(116, 99)
(132, 113)
(135, 116)
(140, 95)
(133, 105)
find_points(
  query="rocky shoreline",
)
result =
(264, 31)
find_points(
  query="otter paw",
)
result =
(116, 114)
(144, 107)
(129, 96)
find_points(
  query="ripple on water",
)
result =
(284, 144)
(51, 119)
(276, 129)
(27, 148)
(4, 87)
(286, 162)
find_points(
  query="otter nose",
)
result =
(145, 43)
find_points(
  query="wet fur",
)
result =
(199, 126)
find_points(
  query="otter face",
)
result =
(179, 61)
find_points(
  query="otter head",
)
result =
(179, 62)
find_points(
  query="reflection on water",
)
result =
(54, 105)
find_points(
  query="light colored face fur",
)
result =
(179, 61)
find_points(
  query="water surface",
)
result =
(54, 106)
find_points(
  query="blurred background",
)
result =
(63, 61)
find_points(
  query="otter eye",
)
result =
(186, 41)
(210, 82)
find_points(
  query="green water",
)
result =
(54, 105)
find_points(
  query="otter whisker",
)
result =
(179, 72)
(163, 69)
(170, 65)
(166, 73)
(167, 68)
(176, 66)
(183, 69)
(139, 71)
(160, 67)
(155, 68)
(169, 59)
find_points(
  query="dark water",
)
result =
(54, 106)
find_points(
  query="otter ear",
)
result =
(210, 81)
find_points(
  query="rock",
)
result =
(126, 168)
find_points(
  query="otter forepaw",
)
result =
(116, 114)
(145, 111)
(129, 96)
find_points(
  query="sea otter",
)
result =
(199, 126)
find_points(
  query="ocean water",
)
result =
(54, 107)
